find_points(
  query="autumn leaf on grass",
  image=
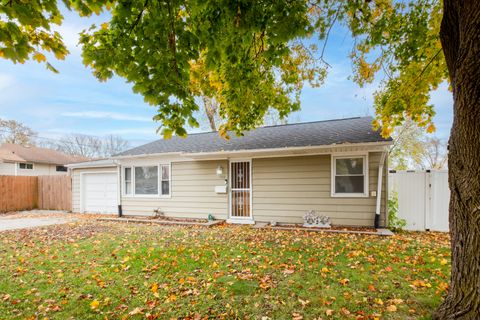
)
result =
(288, 271)
(94, 304)
(420, 284)
(392, 308)
(296, 316)
(442, 286)
(344, 282)
(443, 261)
(135, 311)
(171, 298)
(325, 270)
(329, 312)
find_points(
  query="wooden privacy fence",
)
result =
(42, 192)
(18, 193)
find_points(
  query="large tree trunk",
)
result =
(460, 35)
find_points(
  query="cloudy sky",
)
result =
(73, 101)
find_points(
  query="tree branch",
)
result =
(139, 17)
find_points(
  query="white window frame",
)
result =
(159, 181)
(334, 157)
(124, 181)
(26, 164)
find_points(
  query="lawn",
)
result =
(91, 270)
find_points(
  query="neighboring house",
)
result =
(275, 173)
(17, 160)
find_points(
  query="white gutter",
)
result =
(379, 188)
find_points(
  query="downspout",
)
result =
(119, 192)
(379, 188)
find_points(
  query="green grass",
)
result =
(63, 272)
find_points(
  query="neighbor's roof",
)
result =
(319, 133)
(94, 163)
(17, 153)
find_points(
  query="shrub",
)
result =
(394, 222)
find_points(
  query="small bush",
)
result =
(394, 222)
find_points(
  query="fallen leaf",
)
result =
(94, 304)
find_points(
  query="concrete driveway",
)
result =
(28, 220)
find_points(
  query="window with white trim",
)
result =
(165, 178)
(28, 166)
(349, 176)
(127, 180)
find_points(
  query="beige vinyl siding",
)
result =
(7, 169)
(76, 176)
(192, 195)
(284, 189)
(39, 169)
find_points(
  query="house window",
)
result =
(165, 176)
(146, 180)
(61, 169)
(28, 166)
(128, 181)
(349, 176)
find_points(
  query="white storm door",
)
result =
(240, 190)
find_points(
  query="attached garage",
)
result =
(99, 192)
(95, 187)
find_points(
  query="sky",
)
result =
(74, 101)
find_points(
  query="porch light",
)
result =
(219, 171)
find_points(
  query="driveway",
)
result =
(22, 221)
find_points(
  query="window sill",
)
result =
(145, 196)
(349, 195)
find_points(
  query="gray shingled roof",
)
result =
(319, 133)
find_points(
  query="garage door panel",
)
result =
(100, 192)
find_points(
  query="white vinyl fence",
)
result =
(423, 198)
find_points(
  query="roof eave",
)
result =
(374, 146)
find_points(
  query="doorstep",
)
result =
(241, 221)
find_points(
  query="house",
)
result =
(337, 168)
(17, 160)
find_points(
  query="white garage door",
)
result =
(100, 193)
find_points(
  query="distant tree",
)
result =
(80, 145)
(272, 118)
(91, 146)
(15, 132)
(413, 149)
(112, 144)
(435, 154)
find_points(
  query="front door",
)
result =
(240, 190)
